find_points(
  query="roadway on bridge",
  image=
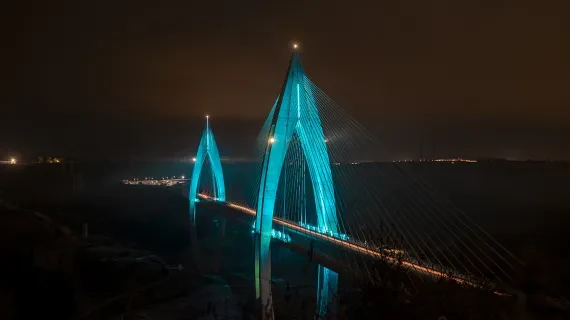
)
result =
(349, 245)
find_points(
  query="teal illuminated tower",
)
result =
(207, 147)
(294, 113)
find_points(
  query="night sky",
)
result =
(118, 79)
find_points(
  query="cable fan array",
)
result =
(379, 206)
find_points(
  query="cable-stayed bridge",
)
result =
(312, 190)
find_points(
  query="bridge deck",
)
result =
(427, 271)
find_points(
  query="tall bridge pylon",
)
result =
(294, 113)
(373, 220)
(206, 148)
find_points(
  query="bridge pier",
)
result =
(263, 275)
(327, 289)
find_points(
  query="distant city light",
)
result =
(152, 182)
(453, 160)
(181, 177)
(194, 159)
(295, 46)
(13, 161)
(207, 116)
(326, 140)
(271, 140)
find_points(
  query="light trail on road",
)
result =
(349, 245)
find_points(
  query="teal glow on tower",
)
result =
(295, 113)
(207, 147)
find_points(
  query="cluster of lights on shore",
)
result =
(161, 178)
(452, 160)
(14, 161)
(10, 161)
(151, 181)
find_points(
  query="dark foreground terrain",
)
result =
(132, 261)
